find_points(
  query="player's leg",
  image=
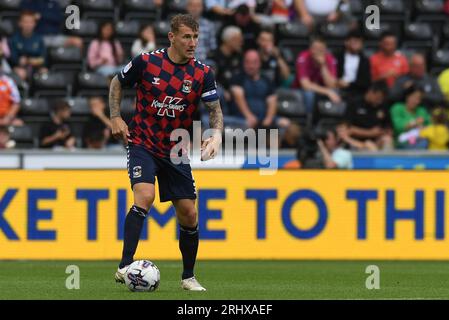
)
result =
(188, 241)
(141, 169)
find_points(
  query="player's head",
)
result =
(184, 35)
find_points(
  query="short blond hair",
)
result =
(183, 19)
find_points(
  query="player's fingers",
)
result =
(125, 138)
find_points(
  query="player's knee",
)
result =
(144, 198)
(189, 217)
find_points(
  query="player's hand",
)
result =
(210, 147)
(119, 129)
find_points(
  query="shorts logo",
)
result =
(137, 172)
(187, 86)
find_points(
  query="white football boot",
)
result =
(192, 284)
(120, 274)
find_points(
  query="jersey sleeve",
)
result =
(132, 72)
(209, 92)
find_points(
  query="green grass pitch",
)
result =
(265, 280)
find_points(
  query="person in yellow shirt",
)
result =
(443, 81)
(437, 134)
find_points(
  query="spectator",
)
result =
(207, 42)
(273, 64)
(418, 76)
(437, 134)
(5, 138)
(279, 12)
(368, 118)
(224, 9)
(290, 139)
(9, 102)
(443, 81)
(49, 16)
(254, 96)
(409, 118)
(333, 155)
(388, 64)
(27, 48)
(312, 12)
(244, 19)
(4, 55)
(98, 123)
(57, 133)
(105, 53)
(353, 67)
(227, 57)
(146, 41)
(316, 73)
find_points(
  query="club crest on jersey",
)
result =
(187, 86)
(137, 172)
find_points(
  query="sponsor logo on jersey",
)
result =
(168, 106)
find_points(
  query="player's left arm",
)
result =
(210, 146)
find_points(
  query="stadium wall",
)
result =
(63, 214)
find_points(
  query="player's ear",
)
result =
(171, 36)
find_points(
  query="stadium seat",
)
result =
(396, 12)
(431, 11)
(372, 36)
(34, 107)
(293, 34)
(329, 109)
(92, 84)
(445, 36)
(88, 29)
(23, 136)
(52, 84)
(6, 27)
(98, 10)
(144, 10)
(334, 33)
(65, 58)
(177, 6)
(9, 9)
(440, 61)
(161, 29)
(79, 106)
(127, 32)
(291, 105)
(419, 35)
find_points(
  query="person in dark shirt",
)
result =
(353, 67)
(57, 133)
(368, 118)
(254, 95)
(27, 48)
(274, 65)
(50, 19)
(97, 125)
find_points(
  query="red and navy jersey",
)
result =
(168, 94)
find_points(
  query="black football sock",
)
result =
(188, 244)
(133, 227)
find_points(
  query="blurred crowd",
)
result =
(309, 68)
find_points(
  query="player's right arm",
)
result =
(129, 76)
(118, 126)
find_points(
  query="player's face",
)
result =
(184, 42)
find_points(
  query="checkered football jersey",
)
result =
(168, 94)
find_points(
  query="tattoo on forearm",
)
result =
(215, 115)
(115, 97)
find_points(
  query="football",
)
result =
(142, 275)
